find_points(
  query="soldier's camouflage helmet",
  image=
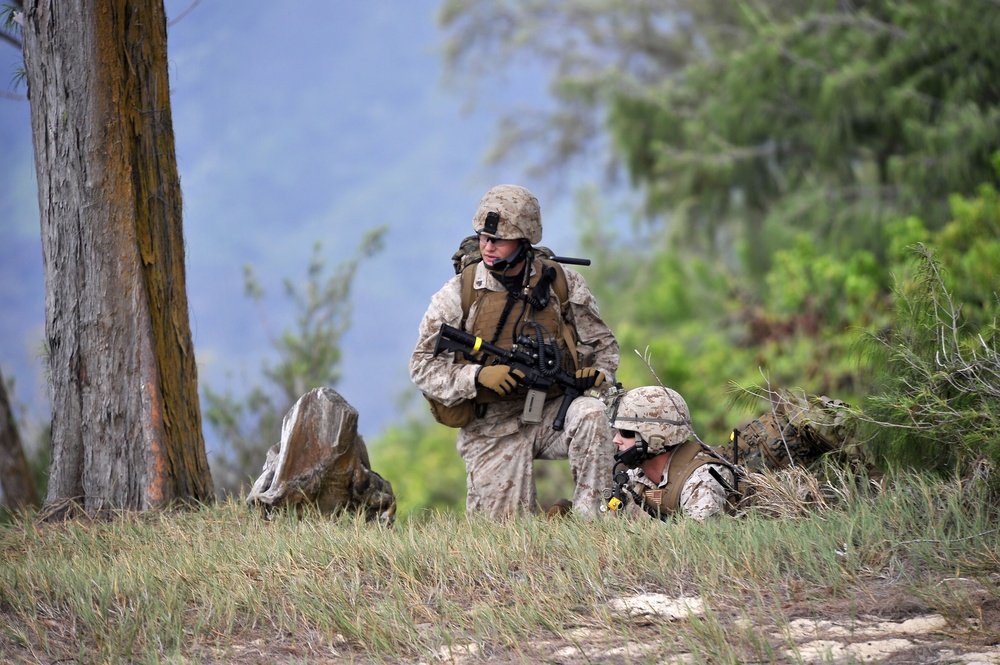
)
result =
(658, 415)
(509, 212)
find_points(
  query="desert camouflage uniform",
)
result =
(701, 495)
(498, 449)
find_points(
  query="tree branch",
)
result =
(184, 13)
(10, 39)
(849, 20)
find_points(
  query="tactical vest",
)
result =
(555, 317)
(490, 307)
(687, 458)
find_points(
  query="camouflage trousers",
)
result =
(499, 451)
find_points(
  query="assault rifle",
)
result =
(617, 497)
(540, 363)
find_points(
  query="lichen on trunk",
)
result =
(126, 430)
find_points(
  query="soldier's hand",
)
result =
(501, 379)
(588, 377)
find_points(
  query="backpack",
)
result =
(464, 261)
(797, 431)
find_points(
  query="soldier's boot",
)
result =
(560, 508)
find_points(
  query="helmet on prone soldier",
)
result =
(658, 415)
(509, 212)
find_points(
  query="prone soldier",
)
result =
(667, 470)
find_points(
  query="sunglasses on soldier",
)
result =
(484, 239)
(627, 433)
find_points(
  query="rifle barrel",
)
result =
(570, 260)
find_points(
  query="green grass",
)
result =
(224, 584)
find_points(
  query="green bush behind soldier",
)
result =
(497, 447)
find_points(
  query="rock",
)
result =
(321, 461)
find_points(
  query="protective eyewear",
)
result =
(484, 239)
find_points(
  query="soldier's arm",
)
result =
(440, 377)
(702, 496)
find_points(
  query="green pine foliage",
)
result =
(788, 157)
(827, 117)
(706, 332)
(935, 402)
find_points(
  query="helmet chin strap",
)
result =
(511, 260)
(635, 455)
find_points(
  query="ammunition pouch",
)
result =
(457, 416)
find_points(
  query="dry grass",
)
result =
(222, 584)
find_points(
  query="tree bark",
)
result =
(15, 476)
(126, 421)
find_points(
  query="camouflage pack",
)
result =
(798, 431)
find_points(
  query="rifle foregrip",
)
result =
(560, 418)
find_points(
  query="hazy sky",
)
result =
(294, 122)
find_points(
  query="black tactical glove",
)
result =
(588, 377)
(501, 379)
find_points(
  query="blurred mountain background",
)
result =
(319, 121)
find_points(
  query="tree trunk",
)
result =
(15, 476)
(126, 421)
